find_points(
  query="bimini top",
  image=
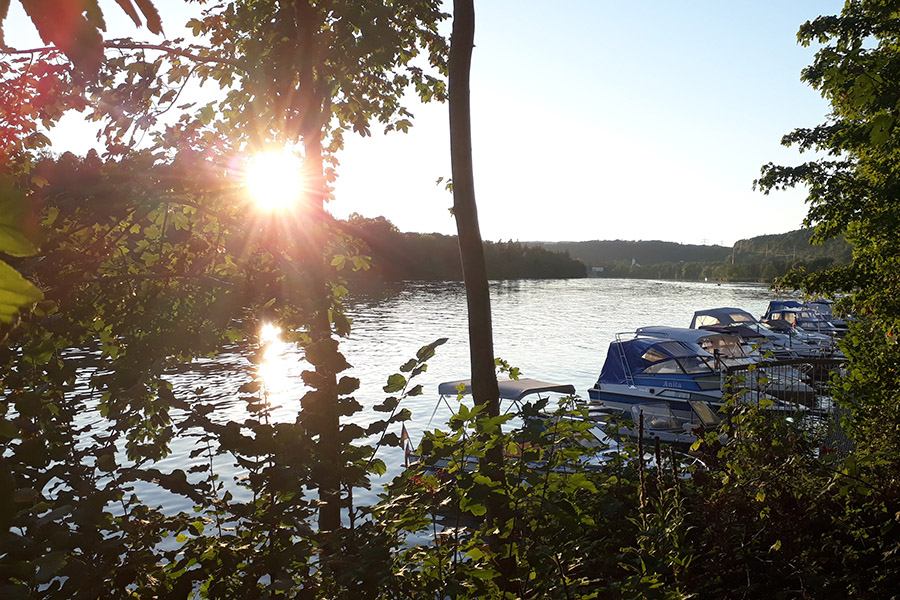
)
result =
(729, 345)
(510, 389)
(749, 333)
(657, 358)
(775, 305)
(721, 316)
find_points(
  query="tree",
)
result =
(300, 74)
(75, 26)
(471, 249)
(854, 190)
(31, 95)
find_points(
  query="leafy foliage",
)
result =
(852, 192)
(75, 26)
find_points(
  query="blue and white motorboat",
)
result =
(652, 370)
(782, 315)
(734, 355)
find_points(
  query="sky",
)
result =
(591, 119)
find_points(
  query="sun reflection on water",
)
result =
(274, 369)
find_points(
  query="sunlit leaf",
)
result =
(15, 292)
(13, 209)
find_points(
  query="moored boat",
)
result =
(644, 370)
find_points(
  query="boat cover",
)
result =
(628, 358)
(721, 316)
(742, 331)
(510, 389)
(776, 305)
(729, 345)
(697, 336)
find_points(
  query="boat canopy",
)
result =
(776, 305)
(712, 341)
(510, 389)
(721, 316)
(627, 359)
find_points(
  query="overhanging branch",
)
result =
(123, 45)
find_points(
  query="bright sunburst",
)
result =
(274, 179)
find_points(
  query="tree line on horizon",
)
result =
(762, 258)
(397, 256)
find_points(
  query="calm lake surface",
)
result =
(555, 330)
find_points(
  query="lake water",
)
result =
(555, 330)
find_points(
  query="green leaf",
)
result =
(107, 463)
(13, 209)
(477, 509)
(16, 292)
(8, 429)
(426, 352)
(881, 129)
(395, 383)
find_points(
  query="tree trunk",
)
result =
(325, 409)
(471, 250)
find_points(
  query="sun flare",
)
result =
(274, 180)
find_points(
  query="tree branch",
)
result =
(123, 45)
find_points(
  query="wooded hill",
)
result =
(398, 256)
(600, 253)
(760, 258)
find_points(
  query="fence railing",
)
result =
(804, 384)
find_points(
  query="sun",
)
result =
(274, 179)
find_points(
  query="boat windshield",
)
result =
(723, 319)
(693, 365)
(656, 416)
(690, 365)
(726, 346)
(706, 414)
(665, 350)
(665, 367)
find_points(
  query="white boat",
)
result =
(783, 345)
(657, 421)
(517, 391)
(594, 437)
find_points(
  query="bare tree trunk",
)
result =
(471, 250)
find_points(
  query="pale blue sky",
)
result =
(597, 120)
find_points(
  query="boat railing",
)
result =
(629, 379)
